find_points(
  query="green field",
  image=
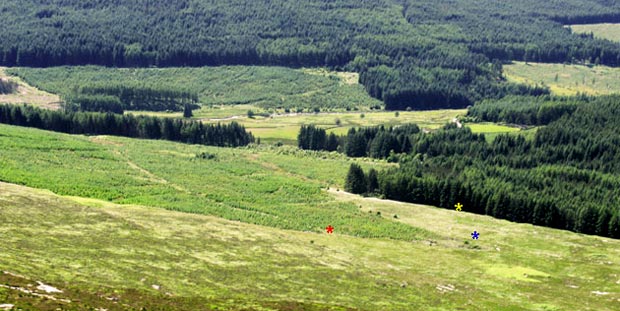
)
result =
(602, 31)
(571, 79)
(491, 130)
(285, 128)
(269, 88)
(254, 240)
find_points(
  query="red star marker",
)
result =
(330, 229)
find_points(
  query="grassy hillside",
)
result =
(236, 184)
(571, 79)
(119, 257)
(262, 87)
(602, 31)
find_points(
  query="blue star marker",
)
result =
(475, 235)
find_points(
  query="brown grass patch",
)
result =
(27, 94)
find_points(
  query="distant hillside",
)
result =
(437, 53)
(264, 87)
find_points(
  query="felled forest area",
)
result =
(566, 177)
(444, 55)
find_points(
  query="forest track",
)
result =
(271, 166)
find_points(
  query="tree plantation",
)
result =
(313, 138)
(266, 87)
(441, 55)
(567, 177)
(525, 110)
(191, 132)
(117, 98)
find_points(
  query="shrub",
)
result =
(206, 156)
(7, 87)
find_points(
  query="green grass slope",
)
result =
(121, 257)
(262, 87)
(236, 185)
(277, 257)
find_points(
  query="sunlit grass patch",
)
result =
(491, 128)
(566, 80)
(517, 273)
(603, 31)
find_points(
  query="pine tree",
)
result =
(187, 111)
(614, 226)
(302, 138)
(602, 223)
(332, 142)
(356, 144)
(372, 183)
(318, 138)
(538, 217)
(586, 220)
(312, 138)
(356, 180)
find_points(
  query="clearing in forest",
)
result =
(602, 31)
(564, 79)
(27, 94)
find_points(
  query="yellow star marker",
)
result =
(458, 206)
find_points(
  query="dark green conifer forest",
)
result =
(443, 54)
(92, 123)
(117, 98)
(566, 177)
